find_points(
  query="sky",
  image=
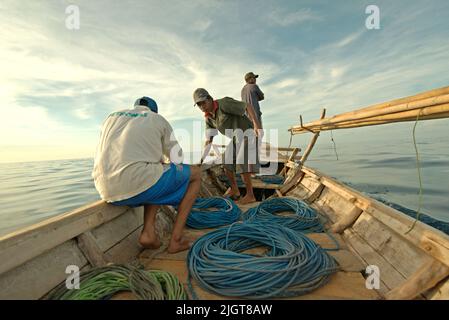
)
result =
(57, 85)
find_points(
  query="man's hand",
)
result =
(206, 149)
(258, 130)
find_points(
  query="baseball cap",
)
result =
(147, 102)
(250, 75)
(199, 95)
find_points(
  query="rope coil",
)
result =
(305, 218)
(293, 265)
(103, 282)
(220, 211)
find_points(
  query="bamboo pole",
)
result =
(429, 95)
(373, 123)
(390, 110)
(312, 142)
(425, 113)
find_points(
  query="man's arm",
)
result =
(211, 132)
(171, 148)
(260, 94)
(252, 116)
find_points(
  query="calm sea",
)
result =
(33, 191)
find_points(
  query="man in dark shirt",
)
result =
(252, 94)
(228, 116)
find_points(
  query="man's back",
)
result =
(130, 152)
(252, 94)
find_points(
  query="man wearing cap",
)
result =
(129, 169)
(228, 116)
(252, 94)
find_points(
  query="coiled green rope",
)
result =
(104, 282)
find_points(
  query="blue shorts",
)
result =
(168, 190)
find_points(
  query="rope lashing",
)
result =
(104, 282)
(293, 265)
(304, 219)
(213, 212)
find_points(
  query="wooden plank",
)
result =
(347, 261)
(89, 247)
(349, 285)
(427, 276)
(332, 205)
(315, 194)
(389, 276)
(405, 257)
(300, 192)
(108, 234)
(439, 292)
(35, 278)
(347, 220)
(290, 162)
(325, 240)
(341, 285)
(429, 239)
(432, 241)
(25, 244)
(259, 184)
(127, 250)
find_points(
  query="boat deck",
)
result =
(348, 283)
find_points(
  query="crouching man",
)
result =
(129, 170)
(228, 117)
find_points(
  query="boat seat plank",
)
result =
(345, 258)
(342, 285)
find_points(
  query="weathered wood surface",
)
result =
(34, 278)
(21, 246)
(426, 277)
(89, 247)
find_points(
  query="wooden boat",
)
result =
(413, 264)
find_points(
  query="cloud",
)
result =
(56, 83)
(349, 39)
(286, 18)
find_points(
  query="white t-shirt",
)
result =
(131, 152)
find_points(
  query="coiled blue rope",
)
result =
(221, 211)
(305, 218)
(294, 264)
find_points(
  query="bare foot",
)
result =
(178, 246)
(231, 194)
(149, 240)
(247, 199)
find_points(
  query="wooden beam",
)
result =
(290, 159)
(89, 247)
(346, 221)
(312, 142)
(424, 279)
(315, 194)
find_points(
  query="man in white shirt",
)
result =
(130, 170)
